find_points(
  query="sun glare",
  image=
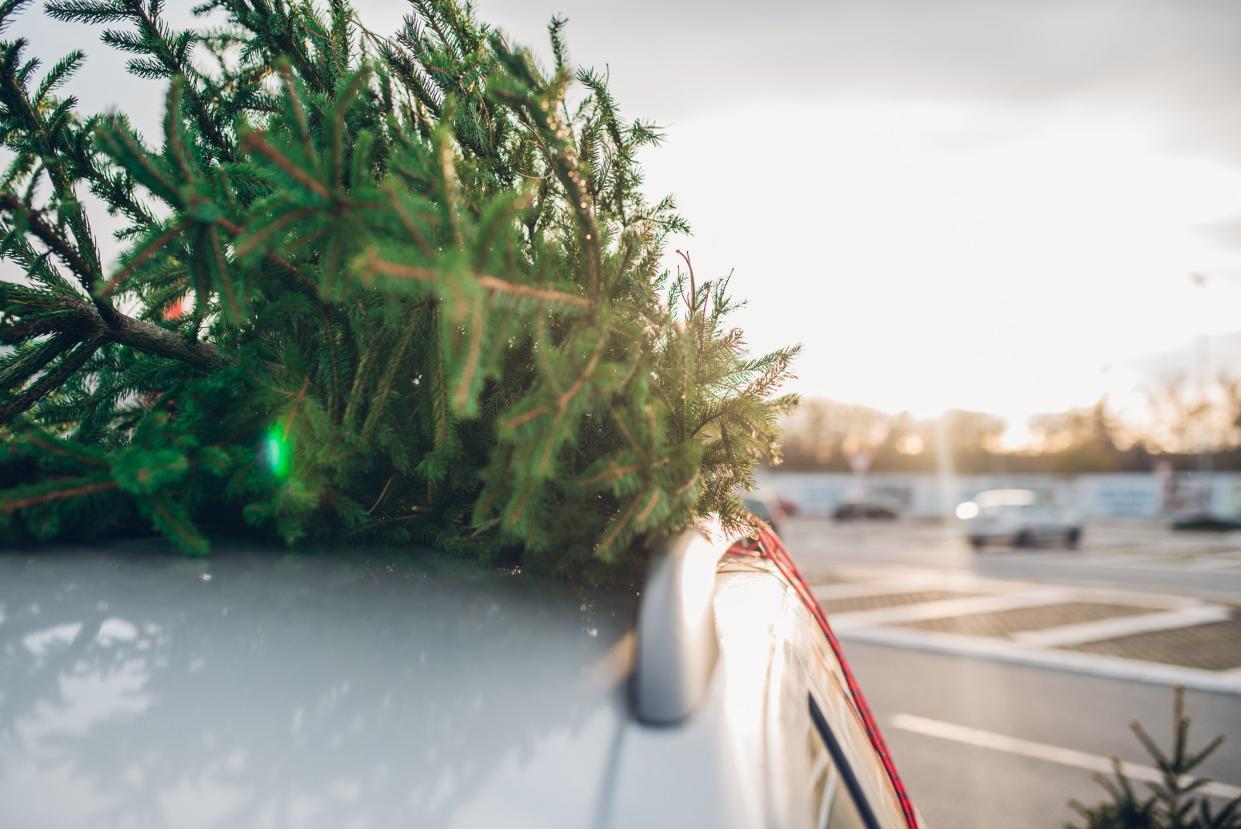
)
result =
(961, 254)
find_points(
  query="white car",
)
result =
(1020, 517)
(378, 689)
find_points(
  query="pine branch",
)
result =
(153, 247)
(57, 493)
(459, 269)
(1173, 802)
(61, 247)
(385, 383)
(491, 283)
(51, 381)
(152, 339)
(256, 143)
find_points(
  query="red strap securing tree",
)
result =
(769, 546)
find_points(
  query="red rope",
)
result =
(770, 546)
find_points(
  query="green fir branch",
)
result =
(380, 288)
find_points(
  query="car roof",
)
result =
(139, 688)
(365, 688)
(868, 494)
(1006, 498)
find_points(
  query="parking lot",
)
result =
(1005, 679)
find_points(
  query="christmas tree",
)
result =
(1179, 800)
(397, 289)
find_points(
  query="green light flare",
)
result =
(277, 452)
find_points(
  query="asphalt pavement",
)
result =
(1000, 680)
(1124, 554)
(963, 781)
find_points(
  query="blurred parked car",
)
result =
(1205, 522)
(1019, 517)
(374, 688)
(768, 510)
(867, 506)
(788, 505)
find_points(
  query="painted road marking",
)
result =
(949, 607)
(1213, 564)
(880, 581)
(1068, 635)
(1090, 664)
(1043, 751)
(874, 587)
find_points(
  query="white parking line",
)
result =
(1067, 635)
(1091, 664)
(950, 607)
(1043, 751)
(877, 582)
(874, 587)
(1213, 564)
(1145, 564)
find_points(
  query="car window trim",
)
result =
(842, 765)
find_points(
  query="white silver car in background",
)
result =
(1019, 517)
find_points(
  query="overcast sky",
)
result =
(965, 203)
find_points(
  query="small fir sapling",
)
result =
(1176, 801)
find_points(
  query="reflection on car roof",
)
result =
(256, 688)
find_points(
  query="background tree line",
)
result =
(1186, 424)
